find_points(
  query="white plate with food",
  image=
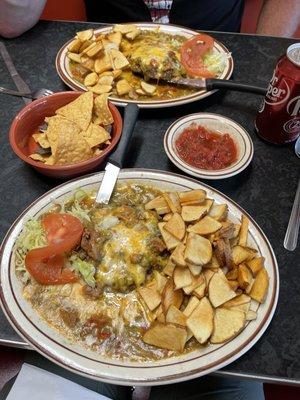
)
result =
(208, 146)
(139, 292)
(130, 62)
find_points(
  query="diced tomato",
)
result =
(46, 264)
(192, 52)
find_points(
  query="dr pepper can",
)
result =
(278, 120)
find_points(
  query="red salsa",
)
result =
(206, 149)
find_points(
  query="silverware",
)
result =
(297, 147)
(21, 85)
(212, 84)
(115, 161)
(291, 236)
(36, 94)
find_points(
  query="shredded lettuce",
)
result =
(77, 210)
(215, 62)
(86, 269)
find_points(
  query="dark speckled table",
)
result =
(266, 189)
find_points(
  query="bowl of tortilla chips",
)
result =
(66, 134)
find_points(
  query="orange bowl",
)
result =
(33, 115)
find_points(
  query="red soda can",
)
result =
(278, 119)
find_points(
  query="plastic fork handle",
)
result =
(212, 84)
(130, 116)
(291, 236)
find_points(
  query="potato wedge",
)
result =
(133, 34)
(241, 254)
(91, 79)
(115, 37)
(74, 46)
(243, 235)
(170, 241)
(234, 285)
(177, 257)
(74, 57)
(105, 80)
(198, 249)
(208, 273)
(124, 28)
(173, 201)
(162, 210)
(176, 226)
(118, 60)
(182, 277)
(256, 265)
(160, 281)
(260, 286)
(196, 195)
(174, 316)
(166, 336)
(170, 296)
(150, 296)
(237, 301)
(195, 269)
(205, 226)
(192, 213)
(227, 324)
(93, 51)
(200, 322)
(232, 274)
(161, 318)
(219, 290)
(200, 290)
(85, 35)
(147, 88)
(244, 277)
(100, 89)
(102, 64)
(191, 305)
(218, 211)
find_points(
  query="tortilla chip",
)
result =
(102, 110)
(95, 135)
(79, 110)
(42, 140)
(71, 148)
(59, 126)
(48, 160)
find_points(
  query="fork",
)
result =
(36, 94)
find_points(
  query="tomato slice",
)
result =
(46, 264)
(62, 229)
(192, 52)
(47, 268)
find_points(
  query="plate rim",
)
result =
(239, 167)
(165, 379)
(71, 83)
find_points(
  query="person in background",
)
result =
(277, 17)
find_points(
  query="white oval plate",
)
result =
(77, 359)
(215, 122)
(63, 70)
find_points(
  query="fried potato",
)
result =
(156, 203)
(167, 217)
(191, 305)
(196, 195)
(243, 235)
(182, 277)
(118, 60)
(74, 46)
(115, 37)
(106, 80)
(123, 87)
(93, 51)
(161, 317)
(200, 290)
(102, 64)
(147, 88)
(234, 285)
(170, 296)
(160, 281)
(177, 257)
(237, 301)
(169, 268)
(227, 324)
(85, 35)
(232, 274)
(213, 264)
(256, 265)
(198, 249)
(195, 269)
(150, 296)
(176, 226)
(219, 290)
(170, 241)
(208, 273)
(173, 202)
(124, 28)
(205, 226)
(251, 315)
(192, 213)
(244, 277)
(175, 316)
(241, 254)
(133, 34)
(195, 282)
(218, 211)
(91, 79)
(100, 89)
(260, 286)
(166, 336)
(74, 57)
(200, 322)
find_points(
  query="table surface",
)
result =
(265, 189)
